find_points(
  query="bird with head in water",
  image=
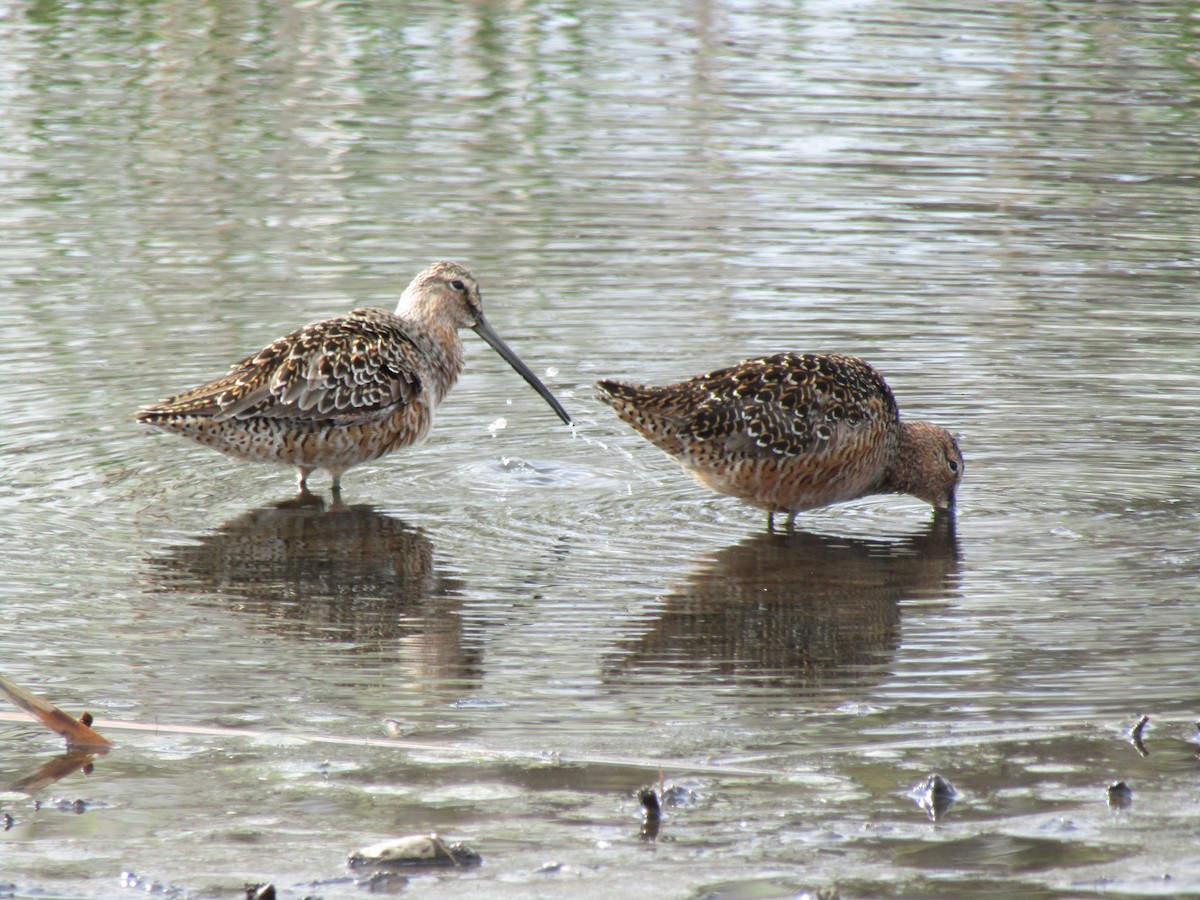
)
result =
(343, 391)
(793, 431)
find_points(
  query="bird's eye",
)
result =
(953, 464)
(458, 285)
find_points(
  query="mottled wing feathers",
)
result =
(790, 404)
(787, 405)
(347, 370)
(792, 432)
(652, 415)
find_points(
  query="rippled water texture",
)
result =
(996, 204)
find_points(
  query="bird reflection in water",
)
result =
(799, 610)
(331, 573)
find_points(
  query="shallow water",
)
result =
(995, 204)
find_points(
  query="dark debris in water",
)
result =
(651, 807)
(260, 892)
(935, 795)
(651, 813)
(1120, 795)
(1135, 735)
(654, 802)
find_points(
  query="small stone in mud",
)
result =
(1120, 796)
(935, 795)
(9, 821)
(414, 850)
(260, 892)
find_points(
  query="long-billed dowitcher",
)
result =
(346, 390)
(792, 432)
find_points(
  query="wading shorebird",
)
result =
(346, 390)
(792, 432)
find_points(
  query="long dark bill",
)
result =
(485, 331)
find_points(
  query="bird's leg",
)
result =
(302, 473)
(790, 527)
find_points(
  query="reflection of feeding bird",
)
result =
(792, 432)
(346, 390)
(802, 609)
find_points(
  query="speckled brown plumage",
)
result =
(792, 432)
(346, 390)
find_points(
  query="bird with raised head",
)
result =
(346, 390)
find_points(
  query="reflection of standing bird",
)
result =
(346, 390)
(344, 576)
(792, 432)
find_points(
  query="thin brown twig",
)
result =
(76, 733)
